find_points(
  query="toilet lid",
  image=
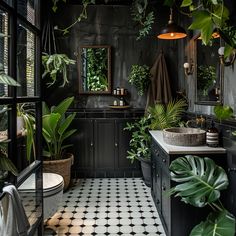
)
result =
(51, 182)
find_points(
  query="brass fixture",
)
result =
(189, 68)
(172, 30)
(232, 57)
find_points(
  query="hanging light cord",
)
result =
(171, 16)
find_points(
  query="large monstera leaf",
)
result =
(201, 180)
(217, 224)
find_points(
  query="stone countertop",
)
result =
(171, 149)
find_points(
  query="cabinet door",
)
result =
(83, 146)
(123, 166)
(104, 139)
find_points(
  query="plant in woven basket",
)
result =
(56, 129)
(140, 78)
(200, 181)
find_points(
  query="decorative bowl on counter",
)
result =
(180, 136)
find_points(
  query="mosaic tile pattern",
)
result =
(121, 206)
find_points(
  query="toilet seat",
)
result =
(52, 184)
(52, 191)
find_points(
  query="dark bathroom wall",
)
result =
(111, 25)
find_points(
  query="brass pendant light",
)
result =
(172, 30)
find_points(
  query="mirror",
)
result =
(94, 69)
(208, 72)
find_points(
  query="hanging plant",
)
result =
(56, 64)
(140, 78)
(6, 79)
(144, 19)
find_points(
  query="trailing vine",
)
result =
(138, 12)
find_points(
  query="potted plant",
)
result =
(166, 116)
(55, 131)
(140, 146)
(200, 181)
(140, 78)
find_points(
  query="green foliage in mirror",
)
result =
(96, 69)
(223, 112)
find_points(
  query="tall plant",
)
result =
(56, 128)
(200, 181)
(140, 142)
(166, 116)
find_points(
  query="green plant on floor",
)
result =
(138, 12)
(209, 16)
(140, 77)
(200, 181)
(140, 143)
(96, 69)
(56, 129)
(29, 122)
(223, 112)
(54, 65)
(166, 116)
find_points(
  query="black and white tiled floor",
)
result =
(103, 207)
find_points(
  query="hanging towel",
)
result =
(159, 90)
(13, 217)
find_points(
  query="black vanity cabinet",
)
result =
(178, 218)
(100, 148)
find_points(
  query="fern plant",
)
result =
(166, 116)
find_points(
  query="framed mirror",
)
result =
(94, 67)
(208, 72)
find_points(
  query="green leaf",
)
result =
(217, 224)
(63, 106)
(201, 19)
(186, 3)
(223, 112)
(66, 123)
(6, 164)
(169, 3)
(228, 51)
(50, 123)
(201, 180)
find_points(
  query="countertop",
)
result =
(171, 149)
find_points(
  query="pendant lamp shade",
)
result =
(172, 30)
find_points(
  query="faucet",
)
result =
(198, 122)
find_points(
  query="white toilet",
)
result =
(52, 191)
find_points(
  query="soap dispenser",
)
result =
(212, 136)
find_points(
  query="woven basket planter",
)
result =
(61, 167)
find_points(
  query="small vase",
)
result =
(20, 124)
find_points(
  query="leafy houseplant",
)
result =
(55, 132)
(140, 146)
(223, 112)
(166, 116)
(200, 182)
(56, 64)
(29, 123)
(140, 78)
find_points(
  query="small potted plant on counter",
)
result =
(140, 146)
(55, 131)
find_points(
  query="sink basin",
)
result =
(184, 136)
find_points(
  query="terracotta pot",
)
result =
(61, 167)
